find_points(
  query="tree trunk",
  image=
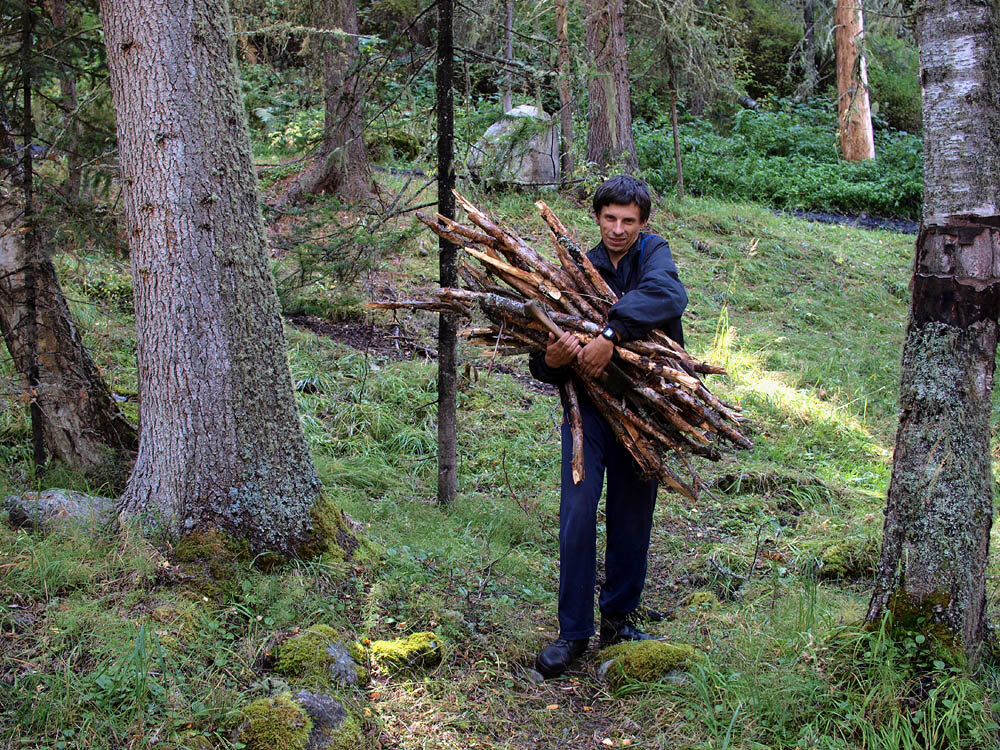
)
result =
(609, 135)
(220, 446)
(857, 141)
(676, 130)
(342, 165)
(448, 265)
(78, 421)
(939, 511)
(810, 75)
(565, 99)
(68, 102)
(507, 101)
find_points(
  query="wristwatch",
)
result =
(609, 334)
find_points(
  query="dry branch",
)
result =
(665, 410)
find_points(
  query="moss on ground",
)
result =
(331, 538)
(415, 650)
(646, 661)
(273, 723)
(705, 599)
(316, 657)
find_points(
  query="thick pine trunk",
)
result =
(565, 99)
(609, 134)
(448, 262)
(857, 142)
(939, 511)
(342, 165)
(221, 446)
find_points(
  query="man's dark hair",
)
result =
(622, 190)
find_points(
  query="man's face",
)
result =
(620, 225)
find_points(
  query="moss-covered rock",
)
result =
(272, 723)
(332, 538)
(646, 661)
(334, 726)
(704, 599)
(317, 657)
(852, 558)
(415, 650)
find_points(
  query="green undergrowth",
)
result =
(110, 642)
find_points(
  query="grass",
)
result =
(108, 643)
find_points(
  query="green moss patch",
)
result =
(852, 558)
(332, 538)
(646, 661)
(705, 599)
(415, 650)
(317, 657)
(272, 723)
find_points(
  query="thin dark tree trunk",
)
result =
(343, 165)
(221, 446)
(74, 417)
(447, 329)
(932, 573)
(809, 73)
(565, 98)
(69, 102)
(30, 245)
(676, 129)
(609, 136)
(507, 100)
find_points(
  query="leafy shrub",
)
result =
(894, 81)
(789, 159)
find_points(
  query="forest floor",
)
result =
(106, 645)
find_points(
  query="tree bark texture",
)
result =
(448, 262)
(565, 98)
(857, 141)
(810, 75)
(609, 134)
(675, 127)
(342, 165)
(79, 421)
(939, 511)
(507, 99)
(220, 446)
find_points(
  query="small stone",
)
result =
(535, 677)
(333, 725)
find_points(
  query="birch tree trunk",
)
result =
(609, 135)
(342, 166)
(932, 573)
(220, 446)
(565, 99)
(857, 141)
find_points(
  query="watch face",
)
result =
(608, 333)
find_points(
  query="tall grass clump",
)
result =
(787, 157)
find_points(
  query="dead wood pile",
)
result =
(664, 410)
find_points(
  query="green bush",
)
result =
(894, 81)
(787, 158)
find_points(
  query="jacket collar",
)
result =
(601, 259)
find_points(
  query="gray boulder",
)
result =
(42, 509)
(520, 149)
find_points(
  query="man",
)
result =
(640, 269)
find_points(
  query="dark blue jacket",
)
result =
(650, 295)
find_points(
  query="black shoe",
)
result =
(554, 658)
(618, 628)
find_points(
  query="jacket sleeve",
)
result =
(544, 373)
(656, 299)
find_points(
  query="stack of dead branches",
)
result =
(651, 395)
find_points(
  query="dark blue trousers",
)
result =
(629, 520)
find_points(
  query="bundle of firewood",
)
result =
(651, 394)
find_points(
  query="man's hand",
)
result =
(562, 351)
(594, 357)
